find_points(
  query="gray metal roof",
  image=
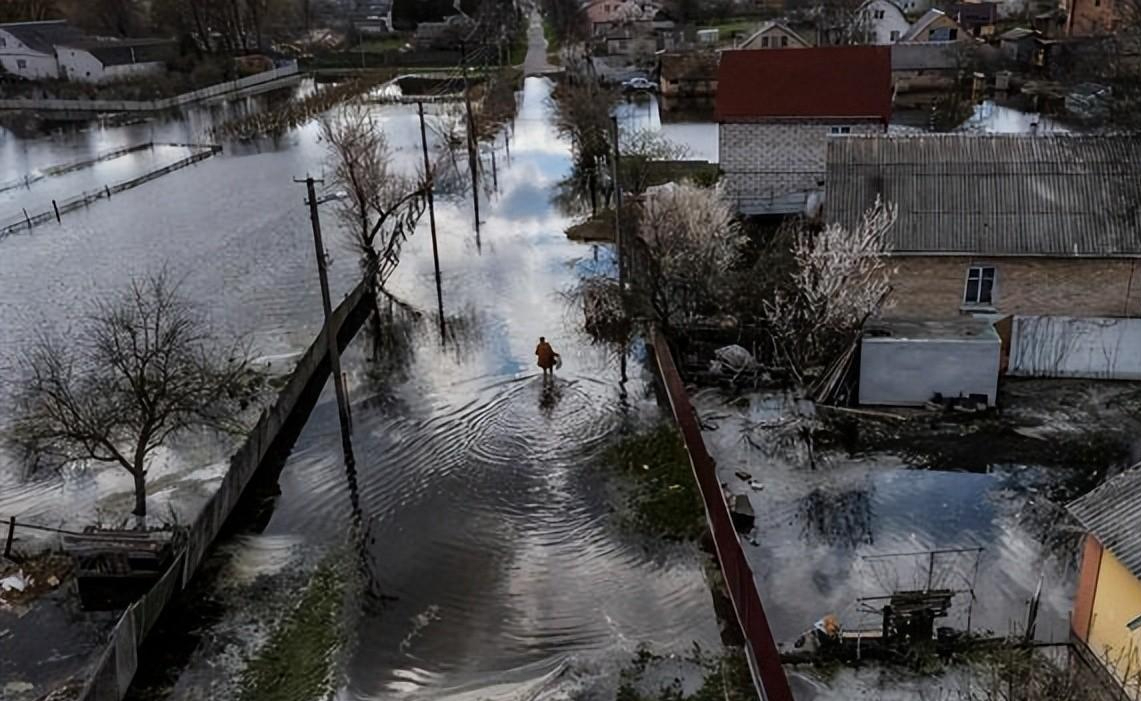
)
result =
(1112, 513)
(994, 194)
(43, 36)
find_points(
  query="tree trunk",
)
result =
(140, 494)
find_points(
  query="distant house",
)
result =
(1094, 17)
(879, 22)
(935, 25)
(925, 66)
(1000, 225)
(604, 15)
(774, 35)
(27, 49)
(103, 60)
(689, 74)
(977, 18)
(776, 109)
(1106, 617)
(1021, 45)
(372, 17)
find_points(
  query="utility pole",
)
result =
(471, 157)
(330, 337)
(432, 218)
(619, 248)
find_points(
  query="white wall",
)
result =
(769, 159)
(79, 65)
(1063, 346)
(905, 372)
(880, 29)
(36, 64)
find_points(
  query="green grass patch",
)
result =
(663, 498)
(298, 659)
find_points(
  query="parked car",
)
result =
(636, 84)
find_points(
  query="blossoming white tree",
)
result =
(841, 279)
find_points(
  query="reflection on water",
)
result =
(497, 567)
(699, 136)
(825, 536)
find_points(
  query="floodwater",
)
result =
(641, 112)
(498, 567)
(833, 535)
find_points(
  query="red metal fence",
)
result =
(739, 580)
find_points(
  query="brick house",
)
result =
(999, 225)
(1093, 17)
(776, 109)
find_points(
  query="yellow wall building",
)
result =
(1107, 605)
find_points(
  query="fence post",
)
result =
(11, 535)
(56, 208)
(27, 218)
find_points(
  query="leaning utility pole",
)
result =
(471, 141)
(432, 217)
(330, 337)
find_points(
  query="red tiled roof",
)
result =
(833, 81)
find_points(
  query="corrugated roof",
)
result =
(119, 52)
(926, 56)
(1112, 513)
(819, 82)
(996, 194)
(689, 65)
(43, 36)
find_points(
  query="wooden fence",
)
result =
(760, 648)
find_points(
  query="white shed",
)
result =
(906, 363)
(27, 49)
(98, 60)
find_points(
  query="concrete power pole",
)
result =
(334, 350)
(432, 218)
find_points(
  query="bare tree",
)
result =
(582, 114)
(380, 208)
(687, 239)
(28, 10)
(640, 150)
(144, 367)
(840, 279)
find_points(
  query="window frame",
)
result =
(894, 36)
(784, 41)
(764, 42)
(977, 303)
(21, 64)
(840, 130)
(877, 14)
(1135, 624)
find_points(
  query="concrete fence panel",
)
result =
(1064, 346)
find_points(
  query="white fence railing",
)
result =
(167, 103)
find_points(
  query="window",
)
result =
(21, 63)
(3, 42)
(1134, 625)
(953, 34)
(1097, 3)
(840, 130)
(878, 14)
(895, 35)
(783, 42)
(764, 42)
(980, 286)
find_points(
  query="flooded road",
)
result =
(497, 565)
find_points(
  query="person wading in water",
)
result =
(547, 356)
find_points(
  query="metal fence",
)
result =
(27, 221)
(760, 648)
(115, 667)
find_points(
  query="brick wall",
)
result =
(1093, 17)
(774, 158)
(932, 287)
